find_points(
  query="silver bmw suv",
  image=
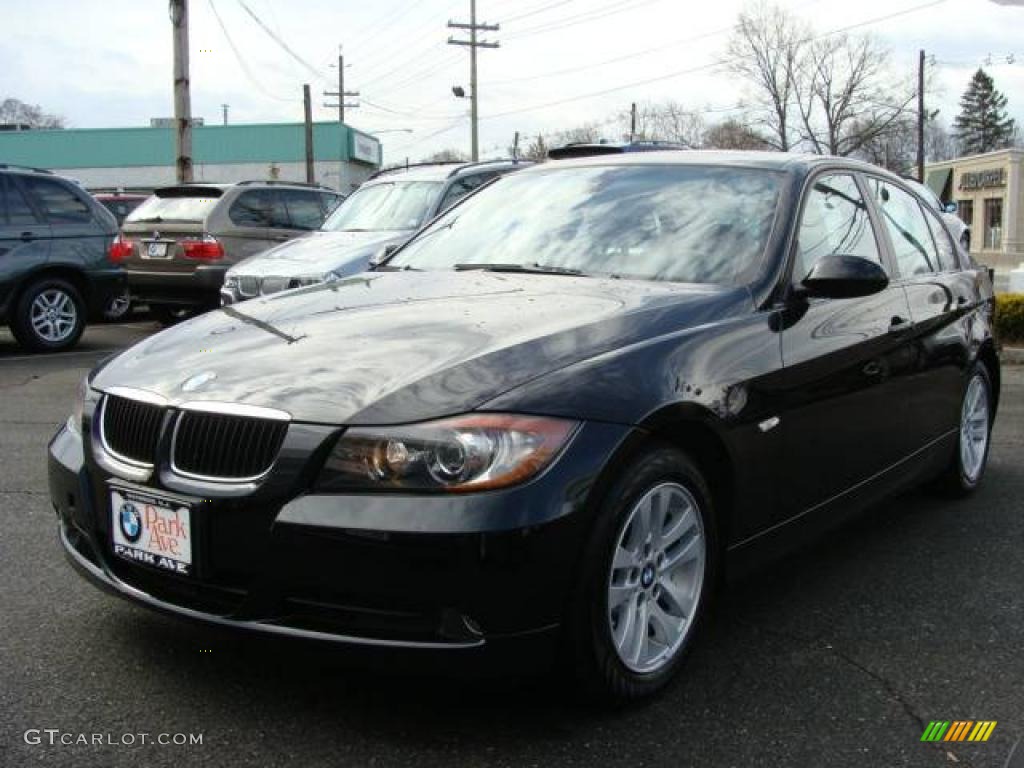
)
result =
(384, 212)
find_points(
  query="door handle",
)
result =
(27, 236)
(899, 325)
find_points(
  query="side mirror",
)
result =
(838, 276)
(950, 208)
(383, 254)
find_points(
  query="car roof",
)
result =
(441, 171)
(790, 162)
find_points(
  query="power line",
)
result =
(701, 67)
(277, 39)
(542, 8)
(241, 61)
(582, 18)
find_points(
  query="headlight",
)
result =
(230, 281)
(474, 452)
(75, 419)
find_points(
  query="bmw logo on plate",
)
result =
(131, 522)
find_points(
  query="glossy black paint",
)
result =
(799, 409)
(839, 276)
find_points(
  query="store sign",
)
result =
(983, 179)
(365, 148)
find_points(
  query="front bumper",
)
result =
(453, 572)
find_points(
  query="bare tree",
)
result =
(663, 121)
(765, 50)
(845, 99)
(16, 112)
(732, 134)
(581, 134)
(536, 150)
(446, 156)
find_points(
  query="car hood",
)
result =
(316, 253)
(392, 347)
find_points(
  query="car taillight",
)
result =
(120, 249)
(206, 248)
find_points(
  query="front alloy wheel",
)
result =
(649, 567)
(656, 577)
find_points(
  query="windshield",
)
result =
(678, 223)
(176, 206)
(387, 206)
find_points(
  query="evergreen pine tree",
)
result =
(983, 125)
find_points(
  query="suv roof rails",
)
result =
(13, 166)
(464, 166)
(407, 166)
(314, 185)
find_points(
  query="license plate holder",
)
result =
(156, 250)
(152, 530)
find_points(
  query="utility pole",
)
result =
(515, 147)
(308, 108)
(341, 93)
(182, 100)
(473, 44)
(920, 117)
(224, 108)
(632, 122)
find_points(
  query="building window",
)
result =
(993, 222)
(965, 210)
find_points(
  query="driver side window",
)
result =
(835, 220)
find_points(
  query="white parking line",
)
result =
(44, 356)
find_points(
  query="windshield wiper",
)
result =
(533, 269)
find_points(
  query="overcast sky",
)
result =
(561, 62)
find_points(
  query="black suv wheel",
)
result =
(49, 316)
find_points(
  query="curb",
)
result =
(1012, 355)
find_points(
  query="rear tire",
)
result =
(168, 314)
(974, 438)
(49, 316)
(649, 574)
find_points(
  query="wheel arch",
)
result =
(694, 431)
(70, 274)
(987, 355)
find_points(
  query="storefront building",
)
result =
(140, 159)
(988, 191)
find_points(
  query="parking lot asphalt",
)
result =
(837, 656)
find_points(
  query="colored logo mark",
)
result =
(958, 730)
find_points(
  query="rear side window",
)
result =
(943, 242)
(911, 238)
(59, 203)
(304, 209)
(330, 202)
(462, 187)
(259, 208)
(835, 221)
(14, 208)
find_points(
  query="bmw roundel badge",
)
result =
(131, 522)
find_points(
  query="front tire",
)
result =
(649, 574)
(974, 438)
(49, 316)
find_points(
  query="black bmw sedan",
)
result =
(563, 411)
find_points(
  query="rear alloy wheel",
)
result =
(650, 567)
(974, 436)
(117, 307)
(49, 317)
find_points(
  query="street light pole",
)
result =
(473, 43)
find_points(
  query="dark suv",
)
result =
(177, 245)
(54, 270)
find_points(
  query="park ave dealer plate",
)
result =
(152, 530)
